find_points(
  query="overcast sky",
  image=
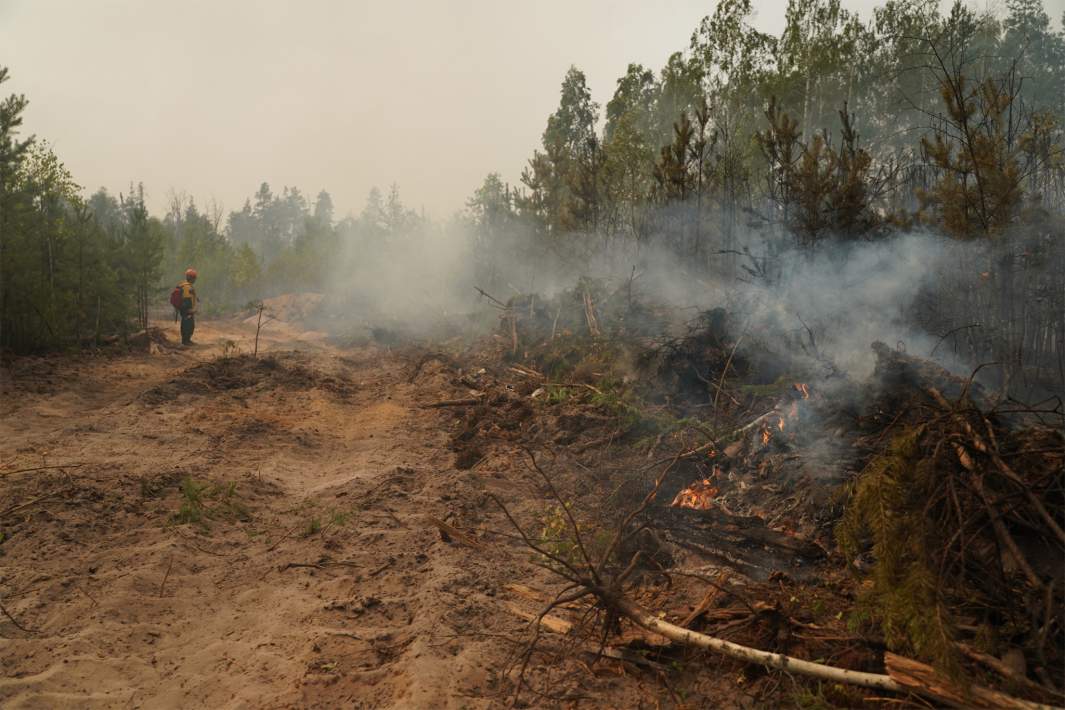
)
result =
(215, 96)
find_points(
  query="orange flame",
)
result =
(802, 389)
(766, 436)
(698, 496)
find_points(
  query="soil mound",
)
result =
(246, 372)
(289, 307)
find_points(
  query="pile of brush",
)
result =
(958, 522)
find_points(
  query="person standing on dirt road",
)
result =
(187, 309)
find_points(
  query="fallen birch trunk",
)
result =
(904, 675)
(679, 634)
(922, 679)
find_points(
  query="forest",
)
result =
(748, 392)
(743, 148)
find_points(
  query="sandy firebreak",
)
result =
(208, 531)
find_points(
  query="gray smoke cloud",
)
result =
(851, 294)
(839, 297)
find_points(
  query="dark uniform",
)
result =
(187, 311)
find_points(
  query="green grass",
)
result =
(203, 501)
(319, 523)
(313, 527)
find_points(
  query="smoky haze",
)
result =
(214, 98)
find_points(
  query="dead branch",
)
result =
(391, 561)
(548, 621)
(490, 297)
(1007, 672)
(747, 427)
(707, 601)
(982, 446)
(698, 450)
(10, 618)
(162, 587)
(513, 334)
(465, 402)
(27, 504)
(679, 634)
(589, 315)
(318, 565)
(724, 370)
(574, 528)
(588, 387)
(41, 468)
(450, 532)
(525, 371)
(596, 442)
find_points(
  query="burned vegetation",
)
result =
(772, 417)
(704, 489)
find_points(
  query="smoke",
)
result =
(839, 298)
(821, 305)
(415, 284)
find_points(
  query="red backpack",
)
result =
(176, 297)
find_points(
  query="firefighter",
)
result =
(187, 309)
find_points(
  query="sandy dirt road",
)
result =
(312, 578)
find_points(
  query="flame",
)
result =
(698, 496)
(780, 423)
(766, 436)
(802, 389)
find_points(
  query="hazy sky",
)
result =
(215, 96)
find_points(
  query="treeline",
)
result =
(75, 271)
(747, 149)
(744, 150)
(68, 274)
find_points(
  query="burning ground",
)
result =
(906, 524)
(385, 525)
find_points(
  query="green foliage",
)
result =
(557, 394)
(887, 514)
(202, 501)
(70, 270)
(557, 538)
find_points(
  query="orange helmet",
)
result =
(190, 274)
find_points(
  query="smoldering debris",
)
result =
(778, 465)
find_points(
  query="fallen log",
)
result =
(747, 529)
(679, 634)
(904, 675)
(563, 627)
(548, 621)
(707, 601)
(924, 680)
